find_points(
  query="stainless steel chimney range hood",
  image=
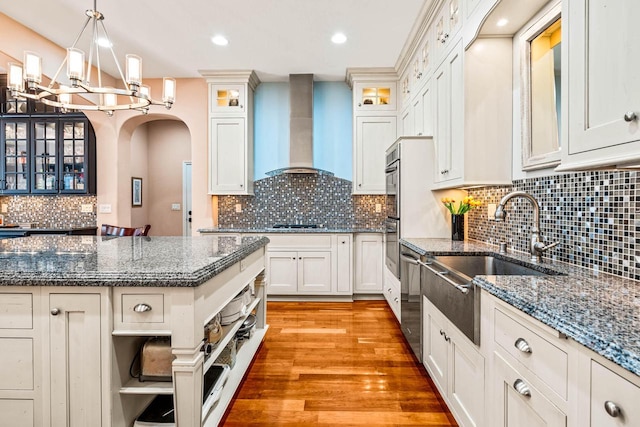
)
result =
(300, 128)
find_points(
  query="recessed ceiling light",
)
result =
(502, 22)
(104, 42)
(338, 38)
(220, 40)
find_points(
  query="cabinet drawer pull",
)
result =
(522, 388)
(141, 308)
(522, 345)
(630, 116)
(55, 311)
(612, 409)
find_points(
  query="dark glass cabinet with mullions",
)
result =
(45, 152)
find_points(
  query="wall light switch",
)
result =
(175, 206)
(5, 208)
(491, 210)
(378, 208)
(104, 208)
(238, 207)
(86, 208)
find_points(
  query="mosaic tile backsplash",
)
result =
(304, 199)
(594, 215)
(50, 211)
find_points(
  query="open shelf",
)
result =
(243, 359)
(228, 332)
(134, 386)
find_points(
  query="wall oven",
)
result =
(392, 223)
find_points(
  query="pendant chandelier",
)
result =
(25, 80)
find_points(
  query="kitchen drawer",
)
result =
(16, 311)
(140, 311)
(542, 357)
(607, 386)
(300, 241)
(392, 293)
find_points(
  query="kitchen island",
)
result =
(75, 311)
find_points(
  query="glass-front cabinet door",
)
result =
(15, 166)
(227, 98)
(45, 159)
(73, 157)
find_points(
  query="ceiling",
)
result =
(273, 37)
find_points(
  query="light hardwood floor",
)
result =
(336, 364)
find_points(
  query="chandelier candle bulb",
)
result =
(64, 98)
(145, 90)
(134, 70)
(32, 68)
(168, 91)
(75, 64)
(16, 82)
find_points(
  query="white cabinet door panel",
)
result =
(227, 167)
(76, 385)
(314, 272)
(373, 136)
(282, 272)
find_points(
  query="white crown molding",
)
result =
(231, 76)
(370, 74)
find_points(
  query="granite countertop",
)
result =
(44, 260)
(269, 230)
(598, 310)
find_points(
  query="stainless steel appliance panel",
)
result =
(410, 299)
(455, 296)
(392, 245)
(392, 174)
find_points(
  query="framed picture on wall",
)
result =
(136, 192)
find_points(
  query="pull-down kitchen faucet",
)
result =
(537, 245)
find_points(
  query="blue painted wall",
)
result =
(332, 128)
(271, 128)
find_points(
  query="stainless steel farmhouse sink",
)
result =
(486, 265)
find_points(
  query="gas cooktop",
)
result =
(295, 226)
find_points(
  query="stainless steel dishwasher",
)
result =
(411, 299)
(454, 294)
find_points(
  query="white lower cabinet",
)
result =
(310, 264)
(613, 399)
(368, 255)
(456, 366)
(299, 272)
(391, 292)
(75, 359)
(517, 403)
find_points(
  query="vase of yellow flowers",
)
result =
(457, 214)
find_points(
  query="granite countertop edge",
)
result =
(609, 344)
(271, 230)
(132, 279)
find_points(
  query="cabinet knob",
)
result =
(55, 311)
(359, 104)
(444, 171)
(359, 185)
(630, 116)
(522, 345)
(612, 409)
(522, 388)
(142, 307)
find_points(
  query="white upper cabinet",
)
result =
(375, 102)
(603, 114)
(231, 131)
(446, 27)
(371, 97)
